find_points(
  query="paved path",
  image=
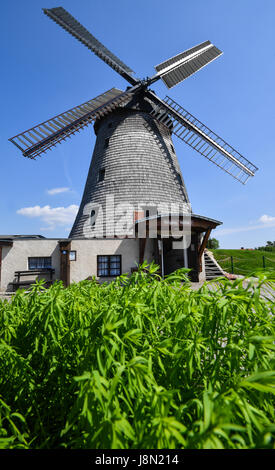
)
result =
(4, 296)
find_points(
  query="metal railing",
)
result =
(265, 264)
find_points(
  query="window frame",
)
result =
(72, 251)
(39, 257)
(109, 266)
(149, 211)
(101, 175)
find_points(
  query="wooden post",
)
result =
(203, 246)
(65, 248)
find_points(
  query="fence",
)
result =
(232, 263)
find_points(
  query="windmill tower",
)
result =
(134, 161)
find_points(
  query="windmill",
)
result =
(134, 157)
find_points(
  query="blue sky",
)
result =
(45, 71)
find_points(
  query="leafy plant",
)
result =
(141, 362)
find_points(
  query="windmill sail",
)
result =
(70, 24)
(38, 139)
(44, 136)
(196, 134)
(185, 64)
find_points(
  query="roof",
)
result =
(193, 217)
(15, 237)
(196, 223)
(207, 219)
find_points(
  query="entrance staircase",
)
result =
(212, 268)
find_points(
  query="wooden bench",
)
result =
(28, 282)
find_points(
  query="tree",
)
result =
(213, 244)
(270, 246)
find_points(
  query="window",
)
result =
(72, 255)
(101, 175)
(93, 217)
(108, 265)
(149, 211)
(179, 178)
(40, 262)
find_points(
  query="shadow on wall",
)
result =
(29, 278)
(4, 253)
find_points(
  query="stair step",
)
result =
(214, 274)
(212, 271)
(211, 278)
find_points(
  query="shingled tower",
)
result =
(134, 160)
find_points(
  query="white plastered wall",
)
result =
(15, 258)
(87, 251)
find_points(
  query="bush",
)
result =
(213, 244)
(141, 362)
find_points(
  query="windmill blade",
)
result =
(185, 64)
(70, 24)
(40, 138)
(194, 133)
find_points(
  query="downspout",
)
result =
(160, 245)
(185, 256)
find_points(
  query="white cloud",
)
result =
(54, 191)
(267, 219)
(265, 222)
(53, 216)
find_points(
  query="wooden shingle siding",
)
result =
(140, 165)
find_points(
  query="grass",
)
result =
(141, 362)
(246, 262)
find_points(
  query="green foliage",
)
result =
(213, 243)
(266, 248)
(270, 246)
(141, 362)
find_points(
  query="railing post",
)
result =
(232, 266)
